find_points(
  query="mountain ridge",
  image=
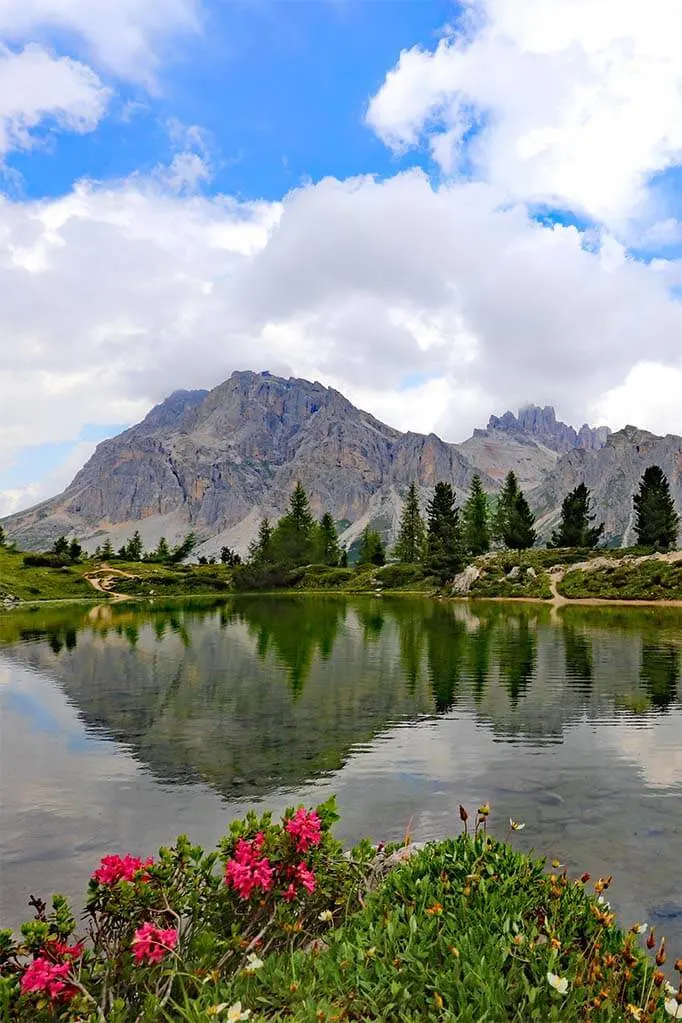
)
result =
(218, 461)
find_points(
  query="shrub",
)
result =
(393, 576)
(46, 560)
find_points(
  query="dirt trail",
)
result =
(103, 581)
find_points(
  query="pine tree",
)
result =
(183, 549)
(409, 546)
(372, 550)
(106, 550)
(61, 547)
(162, 554)
(444, 554)
(229, 557)
(134, 549)
(476, 520)
(328, 541)
(293, 538)
(75, 550)
(260, 551)
(343, 560)
(574, 528)
(3, 537)
(513, 521)
(656, 521)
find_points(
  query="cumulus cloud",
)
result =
(431, 307)
(575, 101)
(124, 36)
(36, 87)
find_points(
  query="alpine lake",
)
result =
(126, 724)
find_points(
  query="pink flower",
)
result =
(60, 948)
(116, 868)
(248, 870)
(290, 894)
(305, 877)
(151, 943)
(305, 827)
(47, 978)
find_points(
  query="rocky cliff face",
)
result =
(612, 474)
(217, 461)
(541, 425)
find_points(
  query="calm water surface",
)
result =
(123, 726)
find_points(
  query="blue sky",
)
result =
(442, 210)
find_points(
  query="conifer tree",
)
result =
(184, 549)
(75, 550)
(134, 548)
(574, 528)
(372, 550)
(328, 541)
(444, 554)
(61, 547)
(3, 537)
(410, 543)
(162, 554)
(476, 520)
(656, 521)
(106, 550)
(513, 521)
(260, 551)
(293, 538)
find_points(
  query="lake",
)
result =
(124, 725)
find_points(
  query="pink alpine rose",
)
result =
(150, 943)
(305, 827)
(47, 978)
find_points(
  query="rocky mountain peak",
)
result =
(542, 425)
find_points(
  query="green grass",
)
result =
(468, 931)
(494, 580)
(646, 580)
(27, 583)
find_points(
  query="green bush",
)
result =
(46, 561)
(397, 575)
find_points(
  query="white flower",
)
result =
(325, 916)
(640, 928)
(253, 963)
(516, 825)
(673, 1008)
(602, 902)
(559, 984)
(234, 1012)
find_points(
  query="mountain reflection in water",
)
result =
(569, 720)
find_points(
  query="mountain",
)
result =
(612, 474)
(218, 461)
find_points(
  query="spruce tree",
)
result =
(162, 554)
(328, 541)
(134, 549)
(75, 550)
(476, 520)
(3, 537)
(106, 550)
(293, 538)
(409, 546)
(260, 551)
(372, 550)
(656, 521)
(513, 521)
(444, 554)
(183, 549)
(61, 547)
(574, 528)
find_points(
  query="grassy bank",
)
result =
(630, 579)
(29, 583)
(279, 924)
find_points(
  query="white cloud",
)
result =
(124, 36)
(580, 100)
(36, 88)
(433, 308)
(649, 397)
